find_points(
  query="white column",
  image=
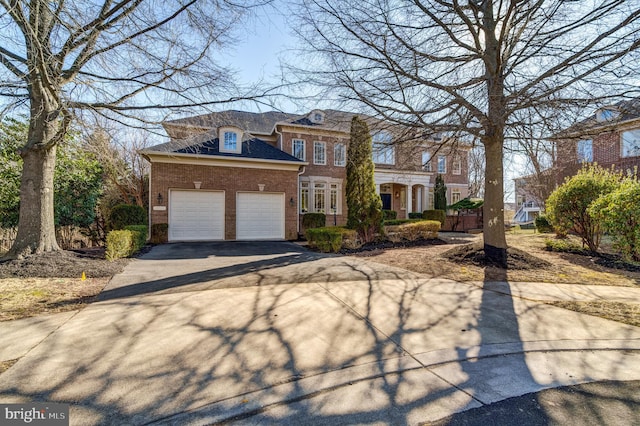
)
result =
(377, 189)
(409, 199)
(419, 199)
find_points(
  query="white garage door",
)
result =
(260, 216)
(196, 215)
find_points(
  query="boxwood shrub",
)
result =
(331, 239)
(126, 214)
(439, 215)
(125, 242)
(412, 231)
(389, 214)
(314, 220)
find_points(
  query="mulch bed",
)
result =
(386, 245)
(474, 254)
(62, 264)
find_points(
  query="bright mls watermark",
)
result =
(42, 414)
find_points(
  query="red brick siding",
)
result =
(165, 176)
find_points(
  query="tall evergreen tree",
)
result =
(440, 194)
(365, 206)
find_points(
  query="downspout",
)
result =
(304, 169)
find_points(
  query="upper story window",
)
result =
(426, 161)
(317, 117)
(631, 143)
(585, 151)
(383, 152)
(442, 164)
(607, 114)
(297, 149)
(319, 153)
(230, 139)
(456, 165)
(339, 155)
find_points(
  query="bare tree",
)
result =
(470, 66)
(117, 59)
(476, 172)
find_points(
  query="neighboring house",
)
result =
(238, 175)
(528, 204)
(610, 138)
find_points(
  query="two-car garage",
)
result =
(196, 215)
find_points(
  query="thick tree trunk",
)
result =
(36, 227)
(495, 243)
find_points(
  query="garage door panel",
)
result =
(259, 216)
(196, 216)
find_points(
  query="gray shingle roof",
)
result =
(254, 122)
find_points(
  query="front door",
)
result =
(386, 201)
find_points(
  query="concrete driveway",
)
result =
(271, 333)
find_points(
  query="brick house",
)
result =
(238, 175)
(610, 138)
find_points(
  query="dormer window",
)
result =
(607, 114)
(316, 117)
(230, 140)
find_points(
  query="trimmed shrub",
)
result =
(543, 225)
(412, 231)
(439, 215)
(140, 235)
(314, 220)
(159, 233)
(415, 215)
(389, 214)
(563, 246)
(120, 243)
(400, 221)
(126, 214)
(327, 239)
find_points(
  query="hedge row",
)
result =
(412, 231)
(331, 239)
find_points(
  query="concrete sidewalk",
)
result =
(370, 345)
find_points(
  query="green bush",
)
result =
(400, 221)
(159, 233)
(415, 215)
(439, 215)
(568, 206)
(126, 214)
(563, 246)
(314, 220)
(543, 225)
(619, 213)
(411, 231)
(122, 243)
(327, 239)
(141, 233)
(389, 214)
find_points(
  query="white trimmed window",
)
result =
(319, 197)
(456, 165)
(297, 149)
(339, 155)
(319, 153)
(426, 161)
(585, 151)
(631, 143)
(455, 196)
(230, 140)
(442, 164)
(383, 152)
(304, 197)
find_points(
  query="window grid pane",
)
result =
(456, 166)
(230, 141)
(319, 198)
(631, 143)
(319, 154)
(585, 151)
(298, 149)
(442, 164)
(339, 155)
(426, 161)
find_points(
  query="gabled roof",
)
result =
(627, 110)
(251, 149)
(254, 122)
